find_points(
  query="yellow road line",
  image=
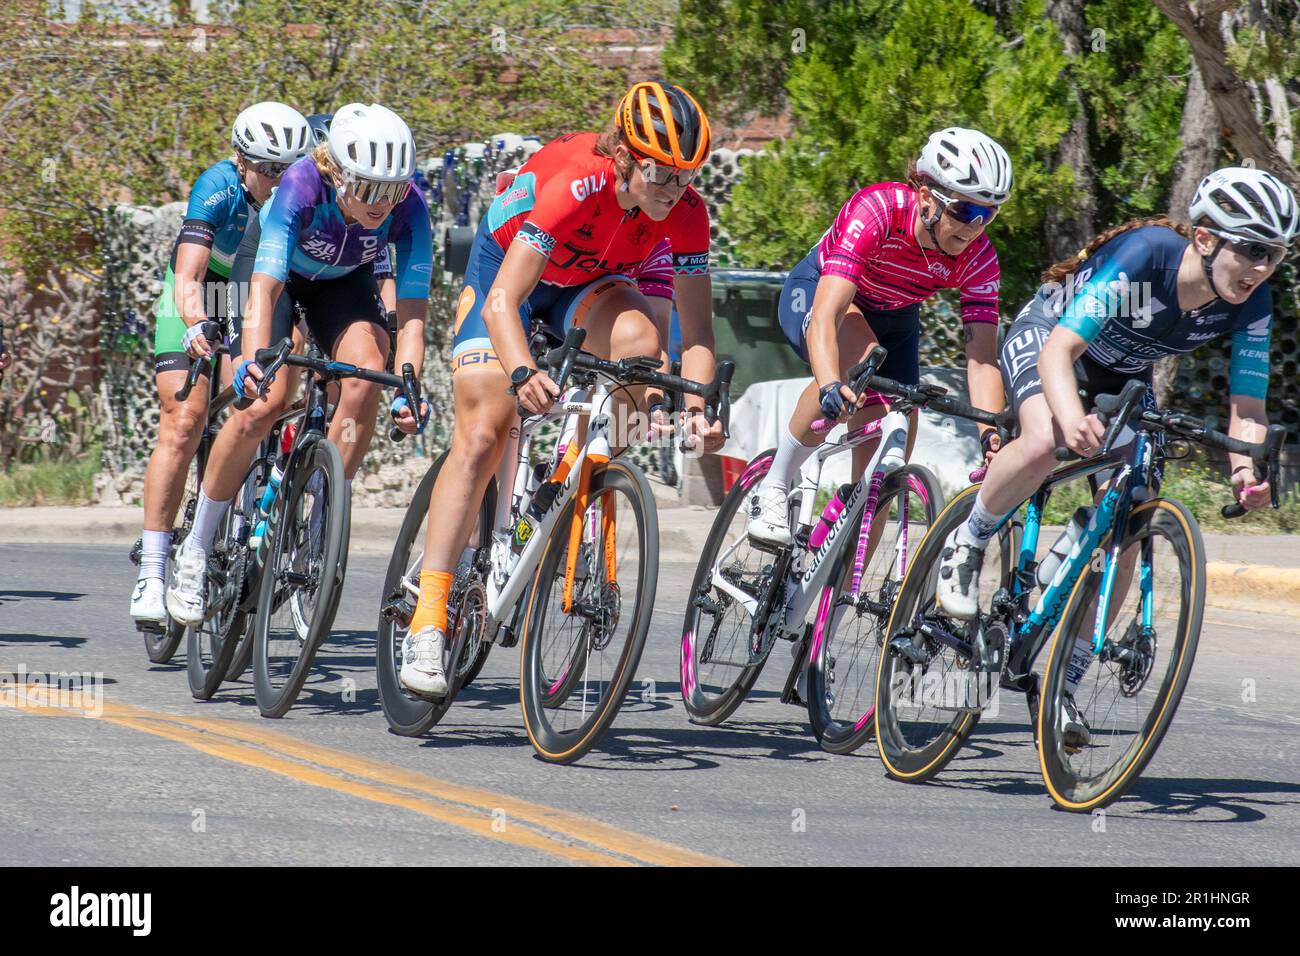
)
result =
(467, 807)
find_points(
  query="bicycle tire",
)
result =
(913, 758)
(407, 714)
(318, 456)
(552, 743)
(703, 706)
(825, 670)
(1174, 521)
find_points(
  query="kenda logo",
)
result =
(75, 909)
(587, 186)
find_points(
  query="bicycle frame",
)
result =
(1111, 512)
(810, 570)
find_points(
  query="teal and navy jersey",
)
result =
(216, 216)
(303, 231)
(1123, 301)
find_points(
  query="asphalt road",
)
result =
(158, 778)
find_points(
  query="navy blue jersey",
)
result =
(1123, 302)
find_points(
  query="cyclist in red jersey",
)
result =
(557, 247)
(890, 248)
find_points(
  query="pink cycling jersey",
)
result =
(872, 244)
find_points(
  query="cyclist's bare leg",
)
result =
(1022, 465)
(484, 416)
(365, 345)
(180, 427)
(620, 326)
(236, 443)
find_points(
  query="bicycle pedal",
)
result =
(767, 547)
(150, 627)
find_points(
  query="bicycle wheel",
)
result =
(599, 641)
(718, 666)
(407, 714)
(305, 564)
(847, 632)
(1128, 695)
(924, 688)
(211, 647)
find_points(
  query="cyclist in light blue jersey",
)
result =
(313, 246)
(266, 138)
(1141, 291)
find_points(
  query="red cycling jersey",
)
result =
(563, 203)
(872, 244)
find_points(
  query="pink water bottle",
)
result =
(834, 508)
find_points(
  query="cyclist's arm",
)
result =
(255, 328)
(518, 276)
(191, 266)
(1060, 385)
(695, 314)
(983, 377)
(830, 302)
(1248, 385)
(410, 334)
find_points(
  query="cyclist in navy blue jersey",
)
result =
(1141, 291)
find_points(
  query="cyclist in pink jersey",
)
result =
(891, 247)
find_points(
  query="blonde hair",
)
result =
(325, 164)
(607, 143)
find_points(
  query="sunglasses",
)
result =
(964, 211)
(271, 170)
(372, 192)
(658, 175)
(1252, 249)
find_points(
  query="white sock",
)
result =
(978, 527)
(790, 456)
(1081, 658)
(153, 554)
(207, 516)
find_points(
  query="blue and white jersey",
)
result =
(1123, 301)
(216, 216)
(303, 231)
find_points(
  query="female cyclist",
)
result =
(891, 247)
(313, 246)
(1193, 284)
(266, 138)
(556, 247)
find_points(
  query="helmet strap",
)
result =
(1207, 263)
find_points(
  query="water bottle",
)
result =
(1061, 548)
(831, 514)
(264, 506)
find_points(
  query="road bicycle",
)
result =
(280, 556)
(565, 563)
(847, 564)
(1120, 655)
(161, 639)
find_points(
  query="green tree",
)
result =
(860, 120)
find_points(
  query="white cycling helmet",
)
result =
(966, 161)
(1249, 203)
(272, 132)
(372, 142)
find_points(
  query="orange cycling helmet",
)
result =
(683, 143)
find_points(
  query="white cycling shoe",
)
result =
(958, 589)
(1075, 732)
(422, 668)
(187, 595)
(147, 603)
(769, 516)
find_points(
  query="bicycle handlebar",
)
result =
(1116, 411)
(211, 332)
(643, 370)
(270, 361)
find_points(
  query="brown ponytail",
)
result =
(1061, 271)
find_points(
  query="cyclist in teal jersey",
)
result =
(266, 138)
(1143, 290)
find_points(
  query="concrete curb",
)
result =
(682, 530)
(1252, 587)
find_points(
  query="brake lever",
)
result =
(1128, 400)
(411, 391)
